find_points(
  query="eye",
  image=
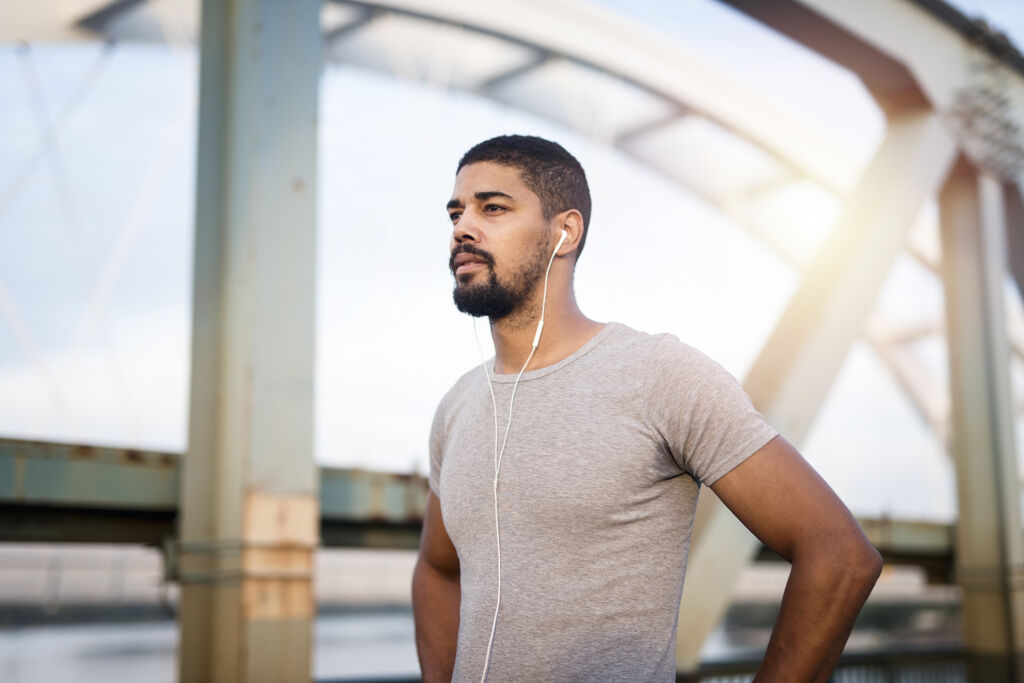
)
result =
(454, 216)
(491, 208)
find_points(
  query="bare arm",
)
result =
(784, 502)
(436, 597)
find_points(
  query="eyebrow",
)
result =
(479, 196)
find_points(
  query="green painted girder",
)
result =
(56, 492)
(71, 492)
(46, 473)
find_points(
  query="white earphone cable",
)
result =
(494, 402)
(499, 453)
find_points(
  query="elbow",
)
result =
(864, 556)
(876, 561)
(871, 564)
(862, 565)
(850, 560)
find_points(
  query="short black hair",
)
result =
(550, 172)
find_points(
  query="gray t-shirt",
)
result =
(596, 500)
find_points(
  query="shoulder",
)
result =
(649, 357)
(624, 336)
(629, 344)
(679, 374)
(669, 351)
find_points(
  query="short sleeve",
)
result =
(437, 434)
(706, 420)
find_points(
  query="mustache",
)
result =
(469, 249)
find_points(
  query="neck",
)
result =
(566, 329)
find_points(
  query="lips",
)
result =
(465, 261)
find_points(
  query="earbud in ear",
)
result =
(565, 236)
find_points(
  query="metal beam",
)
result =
(341, 31)
(790, 379)
(52, 523)
(935, 48)
(625, 136)
(978, 87)
(889, 81)
(593, 38)
(72, 475)
(60, 21)
(990, 543)
(72, 493)
(76, 476)
(1015, 234)
(598, 39)
(248, 511)
(925, 392)
(838, 289)
(975, 30)
(532, 64)
(98, 18)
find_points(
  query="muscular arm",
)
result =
(784, 502)
(435, 597)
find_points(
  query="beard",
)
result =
(492, 297)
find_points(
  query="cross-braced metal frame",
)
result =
(953, 96)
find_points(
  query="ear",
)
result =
(572, 222)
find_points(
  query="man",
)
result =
(564, 473)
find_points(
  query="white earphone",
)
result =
(544, 299)
(565, 236)
(499, 453)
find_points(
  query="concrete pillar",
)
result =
(248, 521)
(989, 540)
(791, 378)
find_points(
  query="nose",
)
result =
(465, 230)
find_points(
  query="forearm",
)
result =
(824, 595)
(435, 602)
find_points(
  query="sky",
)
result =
(95, 254)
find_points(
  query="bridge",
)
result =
(951, 91)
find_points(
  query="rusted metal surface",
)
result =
(39, 472)
(56, 492)
(365, 509)
(372, 497)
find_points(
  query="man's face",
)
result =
(499, 247)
